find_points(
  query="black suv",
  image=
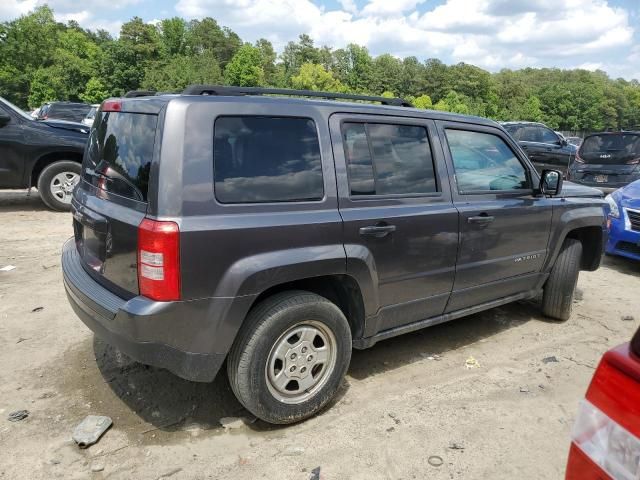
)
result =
(44, 154)
(70, 111)
(278, 233)
(607, 160)
(544, 147)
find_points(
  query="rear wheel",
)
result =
(56, 183)
(290, 357)
(557, 298)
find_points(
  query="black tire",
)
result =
(263, 329)
(45, 186)
(557, 298)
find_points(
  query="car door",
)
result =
(504, 225)
(11, 152)
(398, 217)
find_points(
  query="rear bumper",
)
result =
(178, 336)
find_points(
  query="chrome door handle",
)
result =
(481, 219)
(377, 231)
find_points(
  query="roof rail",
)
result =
(139, 93)
(239, 91)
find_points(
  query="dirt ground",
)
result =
(405, 404)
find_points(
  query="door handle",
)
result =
(481, 219)
(377, 231)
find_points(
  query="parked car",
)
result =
(606, 435)
(607, 160)
(577, 141)
(544, 147)
(44, 154)
(71, 111)
(624, 221)
(304, 228)
(91, 115)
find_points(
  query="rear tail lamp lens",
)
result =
(579, 159)
(159, 260)
(111, 106)
(607, 444)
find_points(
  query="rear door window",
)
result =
(120, 152)
(611, 149)
(266, 159)
(388, 159)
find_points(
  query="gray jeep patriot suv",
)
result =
(278, 233)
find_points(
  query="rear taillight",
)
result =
(579, 159)
(635, 161)
(614, 449)
(159, 260)
(111, 106)
(606, 434)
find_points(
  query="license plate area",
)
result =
(601, 178)
(91, 235)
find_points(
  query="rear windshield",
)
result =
(611, 148)
(120, 152)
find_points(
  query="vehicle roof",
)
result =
(156, 103)
(522, 122)
(619, 132)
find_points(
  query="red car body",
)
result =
(606, 436)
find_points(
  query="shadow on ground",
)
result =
(18, 201)
(172, 404)
(622, 264)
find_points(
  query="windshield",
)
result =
(18, 110)
(611, 148)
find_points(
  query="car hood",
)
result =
(570, 189)
(64, 124)
(629, 196)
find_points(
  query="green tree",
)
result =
(452, 102)
(269, 56)
(315, 77)
(180, 71)
(173, 36)
(423, 101)
(245, 68)
(94, 92)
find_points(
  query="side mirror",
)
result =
(4, 119)
(551, 182)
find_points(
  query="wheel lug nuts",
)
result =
(303, 369)
(309, 358)
(293, 356)
(304, 349)
(293, 368)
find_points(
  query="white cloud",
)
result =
(11, 9)
(492, 34)
(489, 33)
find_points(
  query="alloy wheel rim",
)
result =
(62, 186)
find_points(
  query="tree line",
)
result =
(43, 60)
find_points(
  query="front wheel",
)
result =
(56, 183)
(561, 284)
(290, 357)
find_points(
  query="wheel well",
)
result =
(50, 158)
(342, 290)
(591, 239)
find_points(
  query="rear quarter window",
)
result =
(266, 159)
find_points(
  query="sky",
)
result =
(493, 34)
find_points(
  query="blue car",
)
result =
(624, 221)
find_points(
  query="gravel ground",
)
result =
(409, 409)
